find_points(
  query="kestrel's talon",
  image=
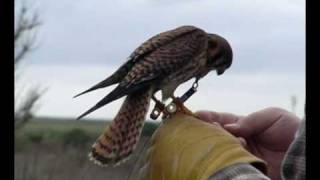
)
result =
(180, 106)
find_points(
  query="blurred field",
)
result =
(57, 149)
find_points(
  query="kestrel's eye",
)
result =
(212, 44)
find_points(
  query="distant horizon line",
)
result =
(50, 117)
(66, 118)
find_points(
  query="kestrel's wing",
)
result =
(158, 61)
(159, 40)
(167, 59)
(147, 47)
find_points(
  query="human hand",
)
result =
(267, 133)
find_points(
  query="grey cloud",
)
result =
(266, 36)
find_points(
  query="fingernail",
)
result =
(231, 126)
(215, 123)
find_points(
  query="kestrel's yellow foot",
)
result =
(181, 107)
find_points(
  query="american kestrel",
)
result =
(161, 63)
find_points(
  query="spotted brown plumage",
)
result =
(121, 136)
(163, 62)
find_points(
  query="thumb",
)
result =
(233, 128)
(239, 129)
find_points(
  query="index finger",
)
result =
(220, 117)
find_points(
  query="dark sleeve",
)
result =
(294, 165)
(239, 172)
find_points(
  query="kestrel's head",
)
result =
(219, 53)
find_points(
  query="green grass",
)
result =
(50, 130)
(55, 149)
(61, 125)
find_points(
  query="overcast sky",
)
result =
(82, 42)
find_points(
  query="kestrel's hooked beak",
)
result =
(220, 71)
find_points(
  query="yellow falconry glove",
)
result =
(186, 148)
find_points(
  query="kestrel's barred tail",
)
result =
(121, 136)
